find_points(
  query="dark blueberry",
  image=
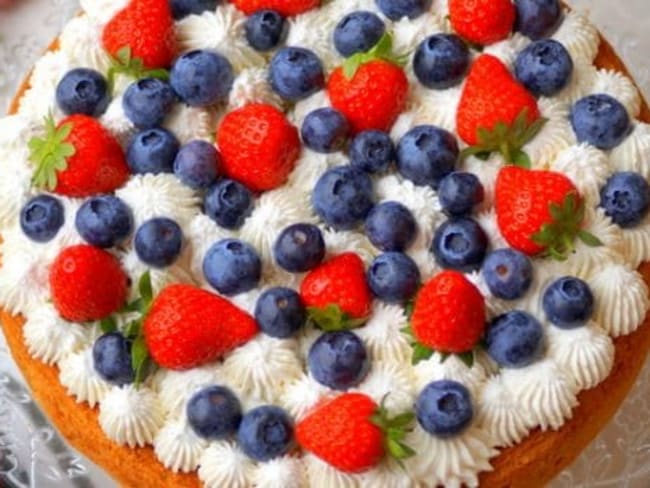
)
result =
(299, 248)
(147, 102)
(112, 359)
(232, 266)
(325, 130)
(265, 433)
(460, 244)
(265, 29)
(152, 151)
(158, 242)
(426, 154)
(600, 120)
(626, 198)
(444, 408)
(214, 413)
(568, 302)
(343, 196)
(358, 32)
(396, 9)
(544, 67)
(393, 277)
(508, 273)
(228, 203)
(537, 18)
(202, 77)
(338, 360)
(515, 339)
(459, 193)
(104, 221)
(183, 8)
(296, 73)
(390, 226)
(441, 61)
(83, 91)
(196, 164)
(372, 151)
(41, 218)
(280, 312)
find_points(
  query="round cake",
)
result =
(365, 243)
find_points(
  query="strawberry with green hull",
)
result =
(482, 22)
(284, 7)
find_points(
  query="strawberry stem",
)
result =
(333, 319)
(124, 63)
(395, 430)
(383, 50)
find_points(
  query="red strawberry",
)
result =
(78, 158)
(337, 293)
(352, 433)
(370, 89)
(87, 284)
(187, 327)
(259, 147)
(147, 28)
(449, 314)
(540, 211)
(482, 21)
(285, 7)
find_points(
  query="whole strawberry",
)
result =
(482, 21)
(259, 147)
(337, 294)
(449, 314)
(146, 28)
(370, 89)
(353, 434)
(286, 8)
(187, 327)
(87, 284)
(540, 211)
(78, 158)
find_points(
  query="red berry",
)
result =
(482, 21)
(286, 8)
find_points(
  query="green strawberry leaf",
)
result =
(50, 153)
(123, 63)
(146, 292)
(133, 329)
(108, 325)
(139, 359)
(395, 430)
(382, 50)
(333, 319)
(467, 358)
(589, 239)
(420, 353)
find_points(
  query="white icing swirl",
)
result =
(301, 395)
(579, 36)
(555, 136)
(304, 107)
(337, 242)
(116, 121)
(392, 381)
(287, 472)
(494, 306)
(425, 260)
(404, 123)
(37, 101)
(192, 123)
(388, 474)
(176, 387)
(637, 243)
(322, 475)
(102, 11)
(487, 172)
(178, 447)
(311, 30)
(488, 222)
(14, 191)
(409, 33)
(633, 154)
(252, 86)
(436, 107)
(582, 79)
(224, 464)
(508, 49)
(620, 87)
(587, 167)
(383, 334)
(81, 42)
(202, 232)
(309, 168)
(78, 375)
(452, 368)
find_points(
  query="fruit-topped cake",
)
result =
(293, 243)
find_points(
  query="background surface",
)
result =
(32, 454)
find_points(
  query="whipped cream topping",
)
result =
(340, 241)
(637, 243)
(587, 167)
(579, 36)
(201, 233)
(78, 375)
(322, 475)
(309, 167)
(252, 86)
(191, 123)
(508, 49)
(80, 40)
(487, 172)
(287, 472)
(620, 87)
(409, 33)
(383, 334)
(224, 464)
(175, 388)
(436, 107)
(102, 11)
(37, 101)
(303, 108)
(14, 191)
(582, 80)
(177, 447)
(312, 30)
(633, 153)
(451, 368)
(388, 474)
(116, 121)
(555, 136)
(394, 382)
(302, 394)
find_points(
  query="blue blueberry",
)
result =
(544, 67)
(104, 221)
(508, 273)
(372, 151)
(393, 277)
(444, 408)
(196, 164)
(228, 203)
(626, 198)
(358, 32)
(280, 312)
(460, 244)
(343, 197)
(568, 302)
(537, 18)
(426, 154)
(158, 242)
(390, 226)
(214, 413)
(265, 29)
(83, 91)
(441, 61)
(338, 360)
(296, 73)
(600, 120)
(232, 266)
(325, 130)
(112, 359)
(147, 102)
(201, 78)
(459, 193)
(265, 433)
(183, 8)
(152, 151)
(41, 218)
(515, 339)
(299, 248)
(396, 9)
